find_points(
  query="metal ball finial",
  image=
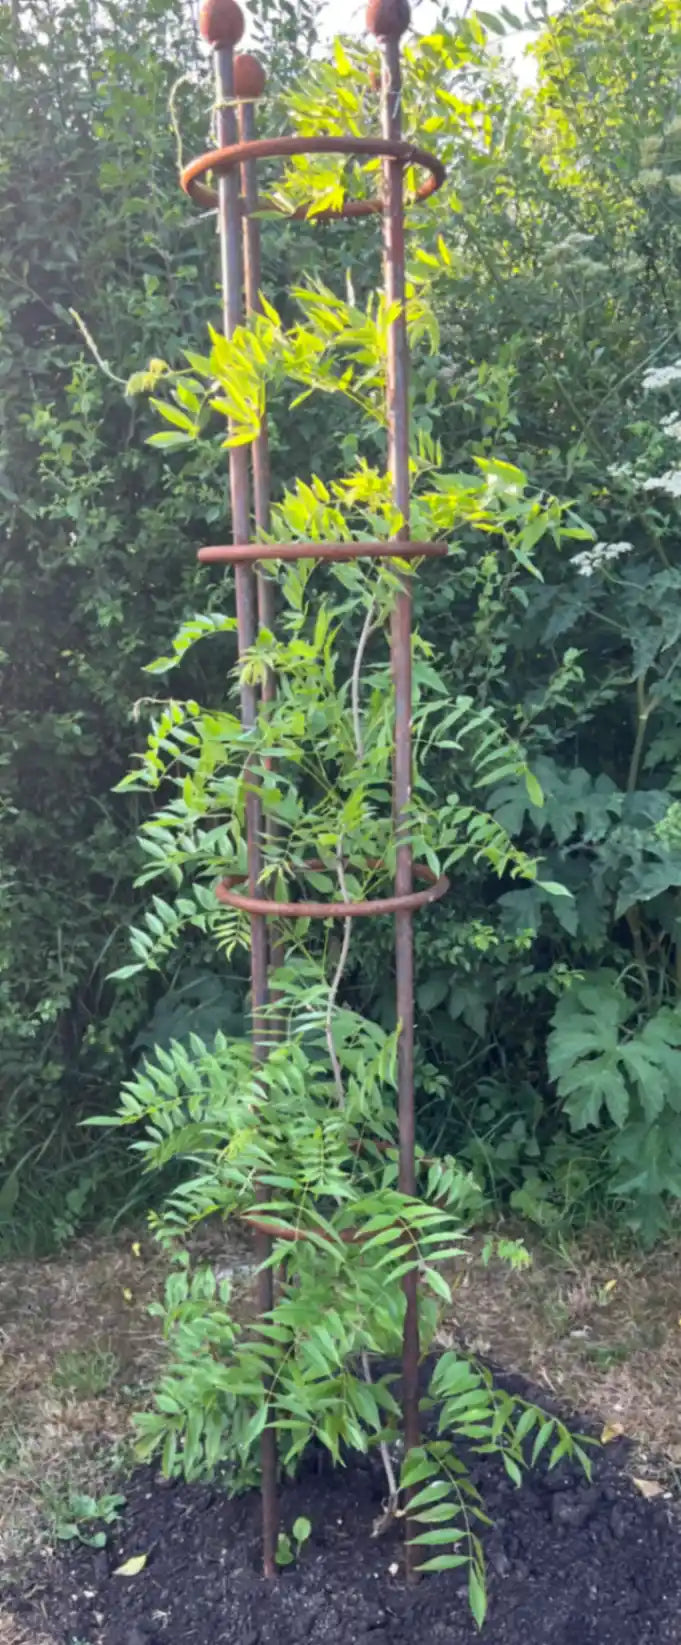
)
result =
(249, 76)
(221, 22)
(388, 17)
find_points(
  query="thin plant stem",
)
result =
(393, 1489)
(335, 985)
(362, 643)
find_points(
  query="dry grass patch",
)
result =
(601, 1331)
(13, 1633)
(77, 1349)
(78, 1353)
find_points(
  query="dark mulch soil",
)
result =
(568, 1564)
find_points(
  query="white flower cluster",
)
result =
(662, 376)
(572, 246)
(632, 264)
(593, 559)
(668, 829)
(574, 241)
(669, 482)
(672, 425)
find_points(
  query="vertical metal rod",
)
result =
(229, 230)
(398, 463)
(260, 455)
(249, 79)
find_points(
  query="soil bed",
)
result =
(569, 1563)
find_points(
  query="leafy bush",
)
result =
(554, 280)
(548, 270)
(97, 561)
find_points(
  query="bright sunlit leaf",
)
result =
(133, 1566)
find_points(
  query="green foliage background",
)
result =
(550, 1029)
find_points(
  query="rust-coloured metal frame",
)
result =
(239, 553)
(306, 910)
(239, 82)
(224, 159)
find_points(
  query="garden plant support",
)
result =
(239, 82)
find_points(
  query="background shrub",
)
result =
(551, 262)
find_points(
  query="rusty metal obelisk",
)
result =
(239, 83)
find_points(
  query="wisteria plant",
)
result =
(315, 1122)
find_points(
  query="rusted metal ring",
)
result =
(240, 553)
(398, 904)
(270, 148)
